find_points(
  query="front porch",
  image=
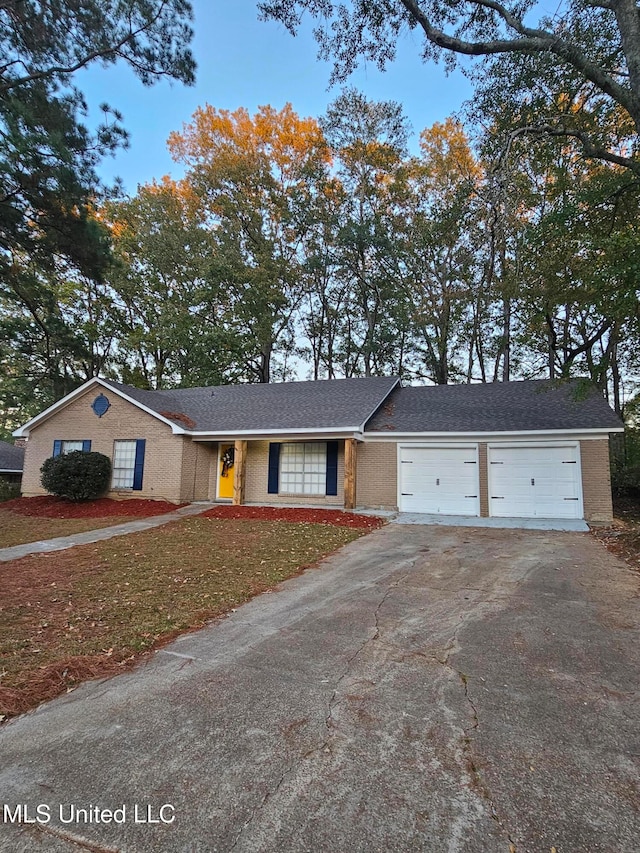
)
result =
(294, 472)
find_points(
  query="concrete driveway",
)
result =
(427, 689)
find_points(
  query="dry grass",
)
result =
(623, 538)
(93, 609)
(18, 529)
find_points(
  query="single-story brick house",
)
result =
(512, 449)
(11, 462)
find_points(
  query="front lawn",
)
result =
(16, 529)
(93, 609)
(31, 519)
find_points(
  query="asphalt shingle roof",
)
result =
(11, 457)
(324, 404)
(495, 407)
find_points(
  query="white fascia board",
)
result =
(10, 470)
(23, 431)
(219, 435)
(577, 434)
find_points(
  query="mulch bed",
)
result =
(60, 677)
(47, 506)
(336, 517)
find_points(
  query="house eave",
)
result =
(515, 435)
(265, 435)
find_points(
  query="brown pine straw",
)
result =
(57, 678)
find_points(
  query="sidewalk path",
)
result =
(61, 543)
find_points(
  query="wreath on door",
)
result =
(227, 460)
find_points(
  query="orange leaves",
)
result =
(447, 154)
(164, 197)
(210, 133)
(224, 140)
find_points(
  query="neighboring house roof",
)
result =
(528, 406)
(11, 458)
(328, 404)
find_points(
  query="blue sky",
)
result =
(243, 62)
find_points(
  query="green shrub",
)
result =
(8, 491)
(77, 476)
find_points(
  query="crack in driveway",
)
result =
(466, 742)
(329, 723)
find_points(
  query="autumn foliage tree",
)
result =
(253, 178)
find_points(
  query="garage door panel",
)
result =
(530, 482)
(441, 480)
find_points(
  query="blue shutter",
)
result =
(274, 469)
(138, 469)
(86, 446)
(57, 447)
(332, 468)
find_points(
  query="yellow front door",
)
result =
(225, 470)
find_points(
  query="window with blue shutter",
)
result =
(304, 468)
(128, 463)
(70, 445)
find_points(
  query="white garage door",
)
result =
(441, 480)
(534, 482)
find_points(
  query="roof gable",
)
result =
(100, 385)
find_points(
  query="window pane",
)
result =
(303, 468)
(70, 446)
(124, 459)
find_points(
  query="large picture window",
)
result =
(303, 468)
(124, 463)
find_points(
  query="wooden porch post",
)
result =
(350, 459)
(239, 472)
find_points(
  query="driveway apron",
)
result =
(424, 689)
